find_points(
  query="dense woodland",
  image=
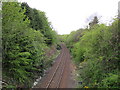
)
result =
(95, 51)
(27, 35)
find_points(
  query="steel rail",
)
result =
(55, 71)
(62, 73)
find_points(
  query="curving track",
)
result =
(59, 74)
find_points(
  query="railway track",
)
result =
(62, 73)
(54, 77)
(48, 85)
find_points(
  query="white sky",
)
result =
(69, 15)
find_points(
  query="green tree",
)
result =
(97, 55)
(39, 22)
(93, 22)
(23, 47)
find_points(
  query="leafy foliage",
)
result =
(39, 22)
(96, 55)
(24, 45)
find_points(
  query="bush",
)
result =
(96, 55)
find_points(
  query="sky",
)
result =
(69, 15)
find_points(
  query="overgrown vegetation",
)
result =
(96, 53)
(26, 34)
(39, 22)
